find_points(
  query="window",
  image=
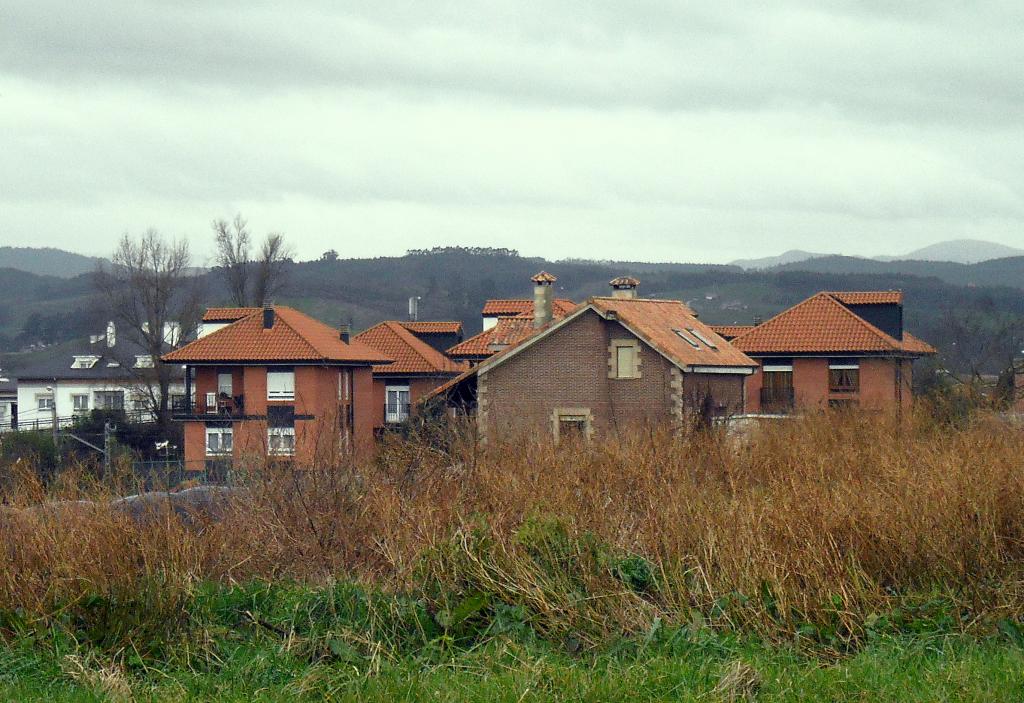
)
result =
(687, 338)
(701, 337)
(280, 385)
(777, 386)
(843, 376)
(84, 362)
(109, 400)
(218, 440)
(571, 424)
(281, 440)
(224, 383)
(143, 361)
(44, 402)
(624, 360)
(80, 403)
(397, 404)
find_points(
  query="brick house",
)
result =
(417, 369)
(274, 382)
(505, 322)
(833, 349)
(439, 334)
(611, 363)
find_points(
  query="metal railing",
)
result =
(210, 404)
(777, 400)
(397, 412)
(69, 421)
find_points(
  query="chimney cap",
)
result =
(624, 282)
(543, 279)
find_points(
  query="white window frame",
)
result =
(44, 403)
(75, 397)
(280, 385)
(614, 367)
(222, 387)
(220, 433)
(400, 414)
(84, 362)
(280, 433)
(144, 361)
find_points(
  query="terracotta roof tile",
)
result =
(476, 346)
(433, 327)
(508, 330)
(543, 277)
(227, 314)
(294, 337)
(821, 324)
(519, 306)
(868, 297)
(410, 353)
(660, 322)
(731, 331)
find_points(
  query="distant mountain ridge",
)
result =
(47, 261)
(957, 251)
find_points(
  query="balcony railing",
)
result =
(777, 400)
(209, 405)
(396, 412)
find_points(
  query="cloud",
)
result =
(551, 127)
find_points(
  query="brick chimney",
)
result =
(268, 317)
(624, 287)
(543, 298)
(344, 332)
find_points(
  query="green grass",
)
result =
(289, 642)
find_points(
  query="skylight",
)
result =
(687, 338)
(702, 338)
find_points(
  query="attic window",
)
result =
(701, 337)
(143, 361)
(84, 362)
(687, 338)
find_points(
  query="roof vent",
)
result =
(268, 317)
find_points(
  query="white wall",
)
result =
(28, 392)
(206, 328)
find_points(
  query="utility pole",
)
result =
(108, 446)
(53, 421)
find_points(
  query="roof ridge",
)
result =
(298, 334)
(888, 339)
(826, 296)
(418, 345)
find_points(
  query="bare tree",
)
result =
(251, 283)
(150, 292)
(233, 253)
(271, 269)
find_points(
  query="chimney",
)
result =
(111, 334)
(624, 287)
(757, 320)
(344, 332)
(543, 296)
(268, 317)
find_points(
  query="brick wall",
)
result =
(569, 369)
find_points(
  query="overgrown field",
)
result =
(832, 555)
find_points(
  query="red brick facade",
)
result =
(567, 371)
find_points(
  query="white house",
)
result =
(107, 373)
(8, 401)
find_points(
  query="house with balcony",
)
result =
(418, 368)
(834, 349)
(274, 382)
(109, 371)
(613, 363)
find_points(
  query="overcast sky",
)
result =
(641, 130)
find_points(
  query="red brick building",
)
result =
(833, 349)
(611, 363)
(274, 382)
(417, 368)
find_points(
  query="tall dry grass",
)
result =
(828, 521)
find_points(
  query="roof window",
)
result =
(701, 337)
(84, 362)
(687, 338)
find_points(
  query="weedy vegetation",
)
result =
(839, 554)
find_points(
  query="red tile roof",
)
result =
(520, 306)
(508, 330)
(868, 297)
(660, 322)
(543, 277)
(822, 324)
(476, 346)
(227, 314)
(410, 353)
(432, 327)
(294, 337)
(731, 331)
